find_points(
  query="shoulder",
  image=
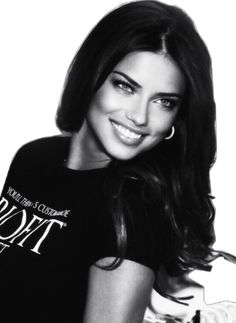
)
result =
(42, 149)
(44, 144)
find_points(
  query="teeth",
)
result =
(126, 132)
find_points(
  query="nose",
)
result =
(138, 113)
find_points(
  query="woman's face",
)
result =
(136, 106)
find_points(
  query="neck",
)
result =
(85, 152)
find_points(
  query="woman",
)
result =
(122, 199)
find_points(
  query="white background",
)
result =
(38, 41)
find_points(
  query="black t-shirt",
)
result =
(54, 224)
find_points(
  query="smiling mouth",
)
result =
(126, 133)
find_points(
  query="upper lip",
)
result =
(131, 128)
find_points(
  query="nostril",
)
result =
(137, 118)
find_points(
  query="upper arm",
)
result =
(119, 295)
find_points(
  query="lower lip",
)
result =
(127, 140)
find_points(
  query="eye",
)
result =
(167, 103)
(124, 86)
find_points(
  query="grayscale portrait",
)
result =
(117, 162)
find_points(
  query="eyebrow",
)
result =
(134, 83)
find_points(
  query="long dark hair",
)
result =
(172, 179)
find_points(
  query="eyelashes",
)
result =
(127, 88)
(167, 103)
(124, 86)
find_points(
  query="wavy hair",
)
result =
(171, 180)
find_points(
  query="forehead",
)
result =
(153, 69)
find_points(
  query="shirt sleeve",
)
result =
(142, 238)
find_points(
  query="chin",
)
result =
(122, 155)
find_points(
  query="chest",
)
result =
(50, 222)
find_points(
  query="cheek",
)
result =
(107, 100)
(161, 121)
(98, 102)
(102, 105)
